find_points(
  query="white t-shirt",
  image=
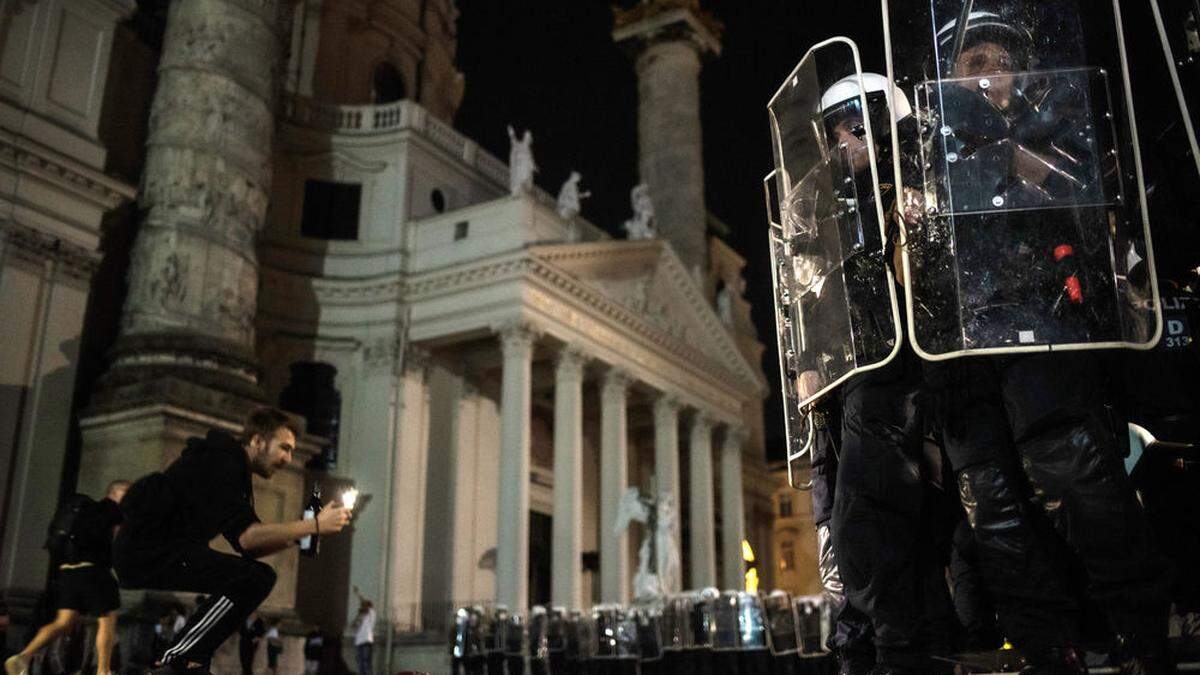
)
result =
(366, 628)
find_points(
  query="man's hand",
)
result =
(262, 539)
(333, 518)
(808, 383)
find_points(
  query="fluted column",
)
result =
(703, 563)
(614, 547)
(566, 584)
(193, 277)
(733, 515)
(512, 530)
(666, 469)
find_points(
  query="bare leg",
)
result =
(62, 623)
(106, 636)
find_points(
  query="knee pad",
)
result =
(989, 496)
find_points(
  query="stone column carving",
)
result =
(703, 562)
(614, 454)
(512, 531)
(566, 584)
(193, 278)
(733, 515)
(668, 41)
(666, 460)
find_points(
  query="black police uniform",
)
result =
(851, 636)
(170, 517)
(86, 584)
(883, 520)
(1037, 426)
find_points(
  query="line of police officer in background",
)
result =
(706, 633)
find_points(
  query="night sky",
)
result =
(551, 66)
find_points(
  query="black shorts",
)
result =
(89, 590)
(273, 656)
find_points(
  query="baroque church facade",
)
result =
(296, 219)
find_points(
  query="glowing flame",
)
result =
(349, 497)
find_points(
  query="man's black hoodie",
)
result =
(206, 492)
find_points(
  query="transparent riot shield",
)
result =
(781, 617)
(835, 303)
(1022, 194)
(1178, 24)
(615, 633)
(752, 622)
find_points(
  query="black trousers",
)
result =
(851, 637)
(235, 587)
(883, 515)
(1034, 430)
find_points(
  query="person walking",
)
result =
(81, 549)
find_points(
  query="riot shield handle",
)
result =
(805, 449)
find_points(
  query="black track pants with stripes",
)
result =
(235, 587)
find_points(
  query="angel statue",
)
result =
(658, 556)
(641, 225)
(521, 166)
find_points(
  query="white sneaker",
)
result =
(15, 665)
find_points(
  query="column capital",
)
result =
(416, 360)
(570, 361)
(616, 381)
(667, 403)
(736, 436)
(702, 420)
(517, 336)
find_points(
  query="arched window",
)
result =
(388, 84)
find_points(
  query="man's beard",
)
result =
(261, 467)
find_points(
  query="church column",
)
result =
(410, 471)
(666, 461)
(566, 584)
(700, 483)
(733, 516)
(512, 542)
(667, 42)
(193, 277)
(614, 548)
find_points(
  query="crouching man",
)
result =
(171, 516)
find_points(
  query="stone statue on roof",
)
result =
(521, 166)
(641, 225)
(569, 197)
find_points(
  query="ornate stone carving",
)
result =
(75, 261)
(517, 337)
(570, 362)
(381, 351)
(205, 184)
(167, 286)
(616, 382)
(666, 403)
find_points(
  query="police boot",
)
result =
(1141, 656)
(1054, 661)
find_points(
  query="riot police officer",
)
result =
(1012, 253)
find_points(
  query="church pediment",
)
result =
(649, 281)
